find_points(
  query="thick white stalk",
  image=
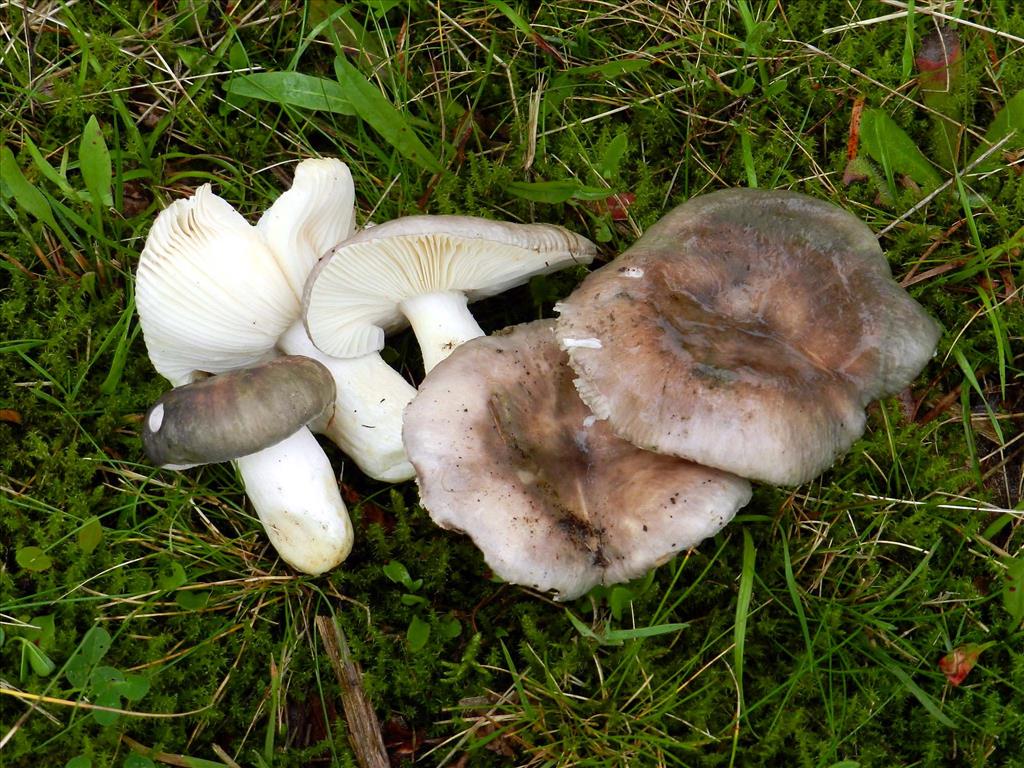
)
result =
(294, 492)
(367, 420)
(441, 322)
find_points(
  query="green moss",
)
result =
(888, 554)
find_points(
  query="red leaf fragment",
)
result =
(617, 205)
(10, 415)
(937, 59)
(958, 663)
(853, 140)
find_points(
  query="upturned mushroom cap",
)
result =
(747, 330)
(315, 214)
(354, 295)
(237, 413)
(505, 451)
(209, 292)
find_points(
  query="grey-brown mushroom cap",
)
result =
(747, 330)
(505, 450)
(237, 413)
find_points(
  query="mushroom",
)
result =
(257, 416)
(215, 294)
(424, 270)
(505, 450)
(747, 330)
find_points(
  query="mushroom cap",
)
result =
(505, 450)
(236, 414)
(316, 213)
(747, 330)
(209, 292)
(352, 297)
(215, 293)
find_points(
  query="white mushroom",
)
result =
(215, 293)
(423, 270)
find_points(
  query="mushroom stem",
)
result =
(293, 490)
(441, 322)
(370, 398)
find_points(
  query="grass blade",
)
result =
(743, 606)
(52, 174)
(25, 195)
(372, 106)
(94, 162)
(968, 372)
(292, 89)
(918, 692)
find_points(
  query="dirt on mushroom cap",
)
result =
(507, 452)
(747, 330)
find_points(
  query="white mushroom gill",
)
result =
(208, 291)
(422, 271)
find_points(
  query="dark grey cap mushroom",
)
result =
(505, 451)
(747, 330)
(237, 413)
(256, 417)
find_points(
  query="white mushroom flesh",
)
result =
(293, 489)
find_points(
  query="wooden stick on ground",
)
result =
(363, 727)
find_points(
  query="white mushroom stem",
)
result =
(294, 492)
(370, 399)
(441, 322)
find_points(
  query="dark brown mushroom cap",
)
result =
(746, 330)
(505, 450)
(237, 413)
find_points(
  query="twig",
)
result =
(219, 751)
(182, 761)
(363, 727)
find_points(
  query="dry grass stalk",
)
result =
(364, 732)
